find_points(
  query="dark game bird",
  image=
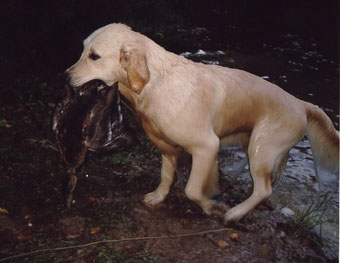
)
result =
(89, 118)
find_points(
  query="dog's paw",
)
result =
(153, 199)
(233, 215)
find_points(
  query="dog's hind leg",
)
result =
(280, 165)
(167, 177)
(267, 153)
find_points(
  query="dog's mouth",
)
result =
(90, 118)
(92, 86)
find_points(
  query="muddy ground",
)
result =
(108, 205)
(108, 198)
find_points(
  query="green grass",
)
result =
(306, 222)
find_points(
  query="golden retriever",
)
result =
(192, 107)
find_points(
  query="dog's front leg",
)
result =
(169, 163)
(203, 180)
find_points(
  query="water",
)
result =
(299, 67)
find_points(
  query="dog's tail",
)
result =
(323, 137)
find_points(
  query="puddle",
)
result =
(294, 62)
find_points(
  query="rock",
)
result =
(287, 212)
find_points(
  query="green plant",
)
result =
(110, 256)
(117, 159)
(47, 144)
(127, 221)
(308, 219)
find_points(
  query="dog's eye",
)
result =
(94, 56)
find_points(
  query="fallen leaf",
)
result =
(3, 210)
(4, 123)
(95, 230)
(27, 217)
(92, 199)
(221, 243)
(184, 221)
(234, 236)
(23, 237)
(20, 245)
(72, 235)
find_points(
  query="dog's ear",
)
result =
(134, 63)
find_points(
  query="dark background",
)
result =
(46, 36)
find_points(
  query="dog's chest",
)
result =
(150, 126)
(161, 116)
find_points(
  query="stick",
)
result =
(116, 241)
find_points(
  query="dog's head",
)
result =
(112, 53)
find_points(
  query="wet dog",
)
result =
(192, 107)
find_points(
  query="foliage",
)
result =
(306, 221)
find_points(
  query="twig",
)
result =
(116, 241)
